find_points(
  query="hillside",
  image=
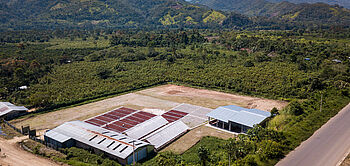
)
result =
(317, 13)
(24, 14)
(345, 3)
(297, 14)
(150, 14)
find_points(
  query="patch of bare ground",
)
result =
(131, 100)
(192, 137)
(209, 98)
(13, 155)
(346, 162)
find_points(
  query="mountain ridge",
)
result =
(88, 14)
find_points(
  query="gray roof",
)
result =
(247, 117)
(167, 133)
(142, 129)
(108, 141)
(6, 107)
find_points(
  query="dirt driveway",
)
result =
(11, 154)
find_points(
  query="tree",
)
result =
(203, 154)
(274, 111)
(166, 158)
(269, 149)
(294, 108)
(248, 63)
(103, 73)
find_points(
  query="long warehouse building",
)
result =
(118, 132)
(87, 136)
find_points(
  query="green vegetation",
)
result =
(283, 14)
(344, 3)
(296, 65)
(151, 14)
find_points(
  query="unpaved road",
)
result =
(328, 146)
(15, 156)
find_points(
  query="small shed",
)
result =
(9, 110)
(236, 119)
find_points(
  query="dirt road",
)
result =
(328, 146)
(12, 155)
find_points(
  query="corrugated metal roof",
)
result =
(6, 107)
(108, 141)
(166, 134)
(146, 127)
(57, 136)
(247, 117)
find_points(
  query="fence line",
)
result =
(13, 127)
(34, 138)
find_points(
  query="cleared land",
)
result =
(12, 155)
(162, 97)
(346, 162)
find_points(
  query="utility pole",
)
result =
(229, 160)
(133, 153)
(321, 103)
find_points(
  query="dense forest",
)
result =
(64, 67)
(160, 14)
(344, 3)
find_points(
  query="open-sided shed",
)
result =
(236, 119)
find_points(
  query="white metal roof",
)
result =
(167, 133)
(247, 117)
(6, 107)
(142, 129)
(57, 136)
(108, 141)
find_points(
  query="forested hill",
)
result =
(108, 13)
(265, 8)
(89, 14)
(345, 3)
(305, 13)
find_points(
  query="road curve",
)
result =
(12, 155)
(326, 147)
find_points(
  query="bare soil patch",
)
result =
(192, 137)
(346, 162)
(209, 98)
(13, 155)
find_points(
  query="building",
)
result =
(167, 134)
(99, 140)
(118, 132)
(236, 119)
(9, 111)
